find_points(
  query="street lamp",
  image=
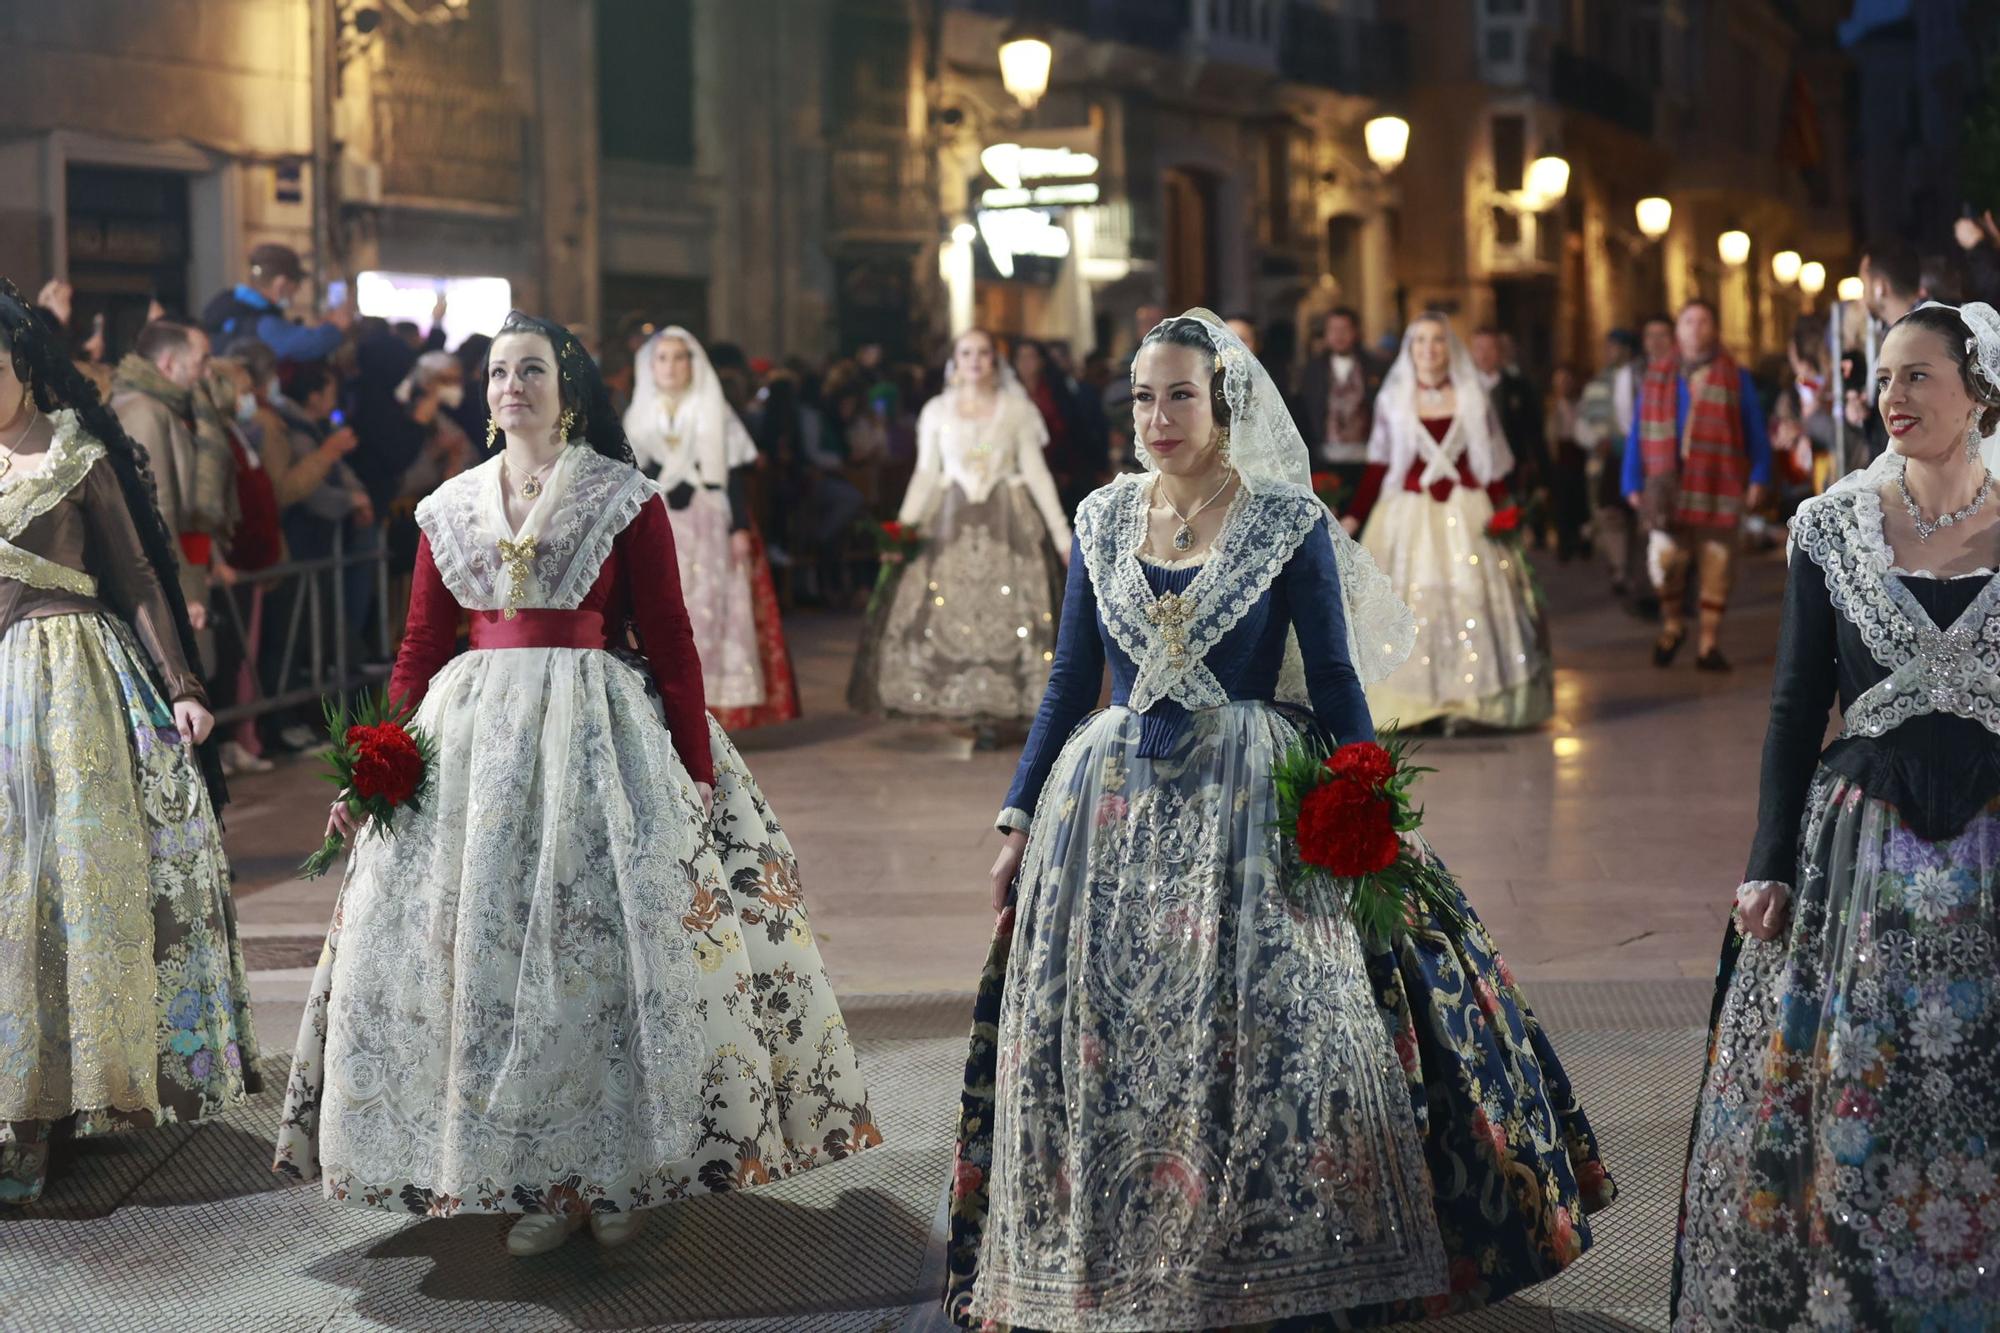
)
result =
(1548, 181)
(1734, 247)
(1656, 215)
(1812, 278)
(1025, 61)
(1388, 140)
(1786, 266)
(1849, 289)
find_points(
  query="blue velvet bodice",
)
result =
(1246, 660)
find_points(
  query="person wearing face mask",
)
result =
(124, 1002)
(446, 452)
(1191, 1096)
(256, 309)
(1438, 473)
(966, 630)
(1841, 1165)
(254, 543)
(688, 438)
(152, 395)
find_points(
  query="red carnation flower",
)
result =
(1364, 762)
(1505, 521)
(893, 531)
(386, 763)
(1347, 830)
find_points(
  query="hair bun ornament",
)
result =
(1983, 348)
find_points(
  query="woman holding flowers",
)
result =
(122, 995)
(573, 979)
(1434, 511)
(967, 630)
(1198, 1094)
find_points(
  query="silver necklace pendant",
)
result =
(1183, 537)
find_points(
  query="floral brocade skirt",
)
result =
(966, 631)
(1845, 1171)
(1195, 1099)
(774, 657)
(123, 1000)
(720, 604)
(558, 987)
(1482, 652)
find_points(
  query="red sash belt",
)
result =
(538, 628)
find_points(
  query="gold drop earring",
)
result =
(566, 425)
(492, 434)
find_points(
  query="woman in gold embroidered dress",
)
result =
(122, 994)
(967, 630)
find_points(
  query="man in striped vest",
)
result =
(1698, 455)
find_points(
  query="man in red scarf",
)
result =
(1697, 457)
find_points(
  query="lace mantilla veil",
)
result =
(1485, 446)
(1983, 347)
(721, 439)
(1269, 454)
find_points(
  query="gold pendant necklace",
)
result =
(531, 483)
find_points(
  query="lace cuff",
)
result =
(1748, 887)
(1012, 820)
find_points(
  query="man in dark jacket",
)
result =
(1337, 399)
(1519, 409)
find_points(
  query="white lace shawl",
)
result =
(1953, 669)
(1169, 637)
(587, 501)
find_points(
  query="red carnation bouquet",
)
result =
(1505, 525)
(381, 762)
(1346, 811)
(1328, 486)
(897, 543)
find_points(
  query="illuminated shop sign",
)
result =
(1013, 165)
(1012, 232)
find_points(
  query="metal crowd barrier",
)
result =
(305, 613)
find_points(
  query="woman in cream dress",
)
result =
(1437, 474)
(968, 629)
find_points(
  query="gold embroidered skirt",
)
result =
(966, 631)
(122, 992)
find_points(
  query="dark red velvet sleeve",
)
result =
(1500, 492)
(1366, 493)
(430, 637)
(652, 573)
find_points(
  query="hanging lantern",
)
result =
(1656, 215)
(1026, 59)
(1548, 180)
(1388, 140)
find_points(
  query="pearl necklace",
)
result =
(1925, 529)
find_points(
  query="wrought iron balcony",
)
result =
(1351, 55)
(1585, 84)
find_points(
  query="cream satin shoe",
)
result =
(538, 1233)
(615, 1228)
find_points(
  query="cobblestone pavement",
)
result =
(1601, 852)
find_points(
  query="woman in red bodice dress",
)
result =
(1437, 475)
(579, 982)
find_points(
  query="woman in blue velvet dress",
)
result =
(1194, 1098)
